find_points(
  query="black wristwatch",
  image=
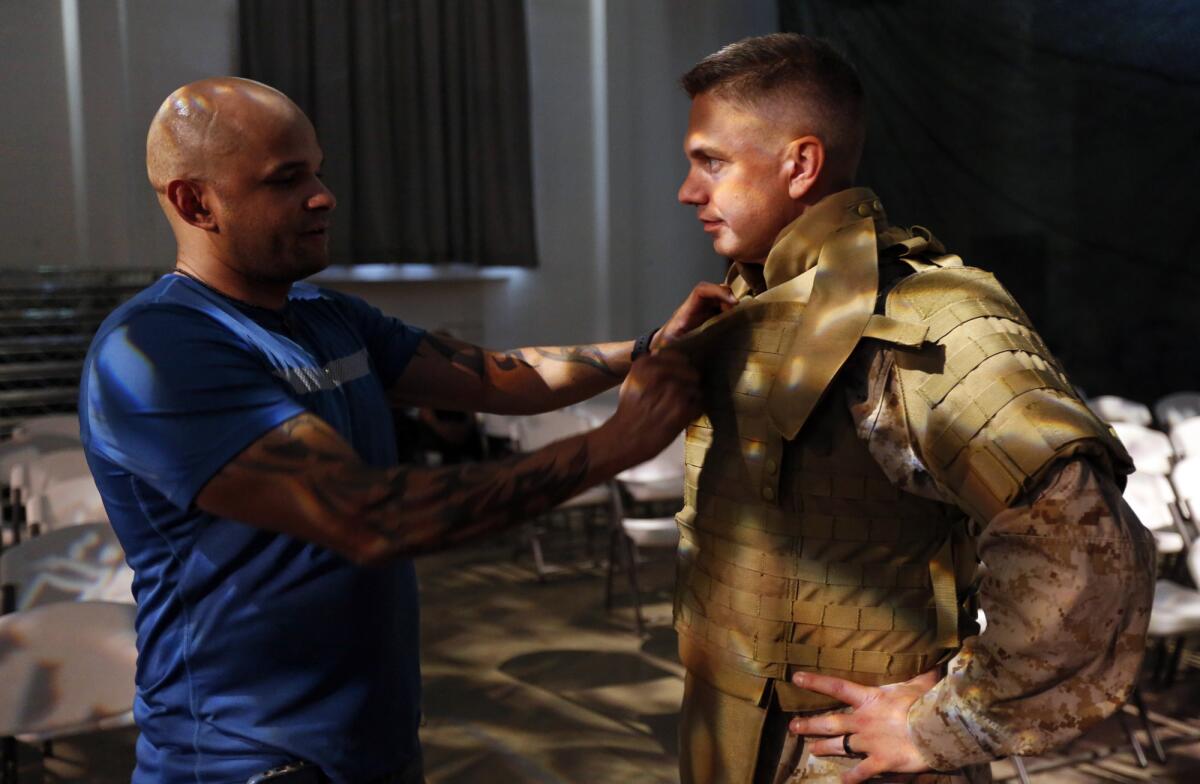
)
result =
(641, 346)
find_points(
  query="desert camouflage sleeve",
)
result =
(1068, 581)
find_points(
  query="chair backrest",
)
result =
(666, 465)
(1193, 562)
(1172, 409)
(66, 503)
(66, 425)
(535, 432)
(36, 474)
(1185, 437)
(597, 409)
(79, 563)
(21, 451)
(1151, 450)
(1114, 409)
(498, 425)
(1186, 478)
(66, 667)
(1150, 496)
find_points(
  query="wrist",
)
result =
(644, 344)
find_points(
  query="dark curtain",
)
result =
(422, 109)
(1054, 143)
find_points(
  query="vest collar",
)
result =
(798, 246)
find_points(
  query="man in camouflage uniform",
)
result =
(879, 419)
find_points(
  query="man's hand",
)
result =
(877, 724)
(659, 397)
(705, 301)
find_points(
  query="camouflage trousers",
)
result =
(726, 740)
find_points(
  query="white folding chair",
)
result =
(56, 490)
(1151, 498)
(1185, 437)
(1113, 409)
(1185, 477)
(534, 432)
(66, 668)
(1174, 615)
(658, 480)
(1172, 409)
(66, 425)
(1151, 450)
(598, 409)
(75, 564)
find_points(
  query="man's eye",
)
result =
(713, 164)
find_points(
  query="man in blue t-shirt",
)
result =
(238, 425)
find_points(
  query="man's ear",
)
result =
(189, 199)
(803, 162)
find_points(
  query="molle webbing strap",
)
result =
(729, 513)
(793, 568)
(892, 330)
(771, 658)
(945, 595)
(837, 616)
(973, 355)
(976, 414)
(843, 298)
(958, 313)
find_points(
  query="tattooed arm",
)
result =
(303, 479)
(451, 374)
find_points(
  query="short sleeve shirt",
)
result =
(254, 647)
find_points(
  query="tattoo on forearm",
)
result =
(418, 510)
(591, 356)
(477, 498)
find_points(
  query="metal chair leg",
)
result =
(1019, 764)
(8, 761)
(1138, 753)
(630, 553)
(612, 568)
(539, 562)
(1160, 753)
(1173, 665)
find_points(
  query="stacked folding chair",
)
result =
(641, 496)
(70, 647)
(534, 432)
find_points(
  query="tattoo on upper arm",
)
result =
(465, 356)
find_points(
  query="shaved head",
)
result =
(200, 125)
(237, 170)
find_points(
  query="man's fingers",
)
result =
(717, 291)
(849, 692)
(821, 724)
(826, 747)
(867, 769)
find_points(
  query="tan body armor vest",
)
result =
(800, 554)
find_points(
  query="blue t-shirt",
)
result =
(254, 647)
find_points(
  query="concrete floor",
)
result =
(534, 683)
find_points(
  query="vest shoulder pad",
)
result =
(988, 406)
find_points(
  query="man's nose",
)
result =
(323, 199)
(690, 192)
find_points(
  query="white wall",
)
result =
(64, 149)
(616, 251)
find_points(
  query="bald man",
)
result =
(238, 426)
